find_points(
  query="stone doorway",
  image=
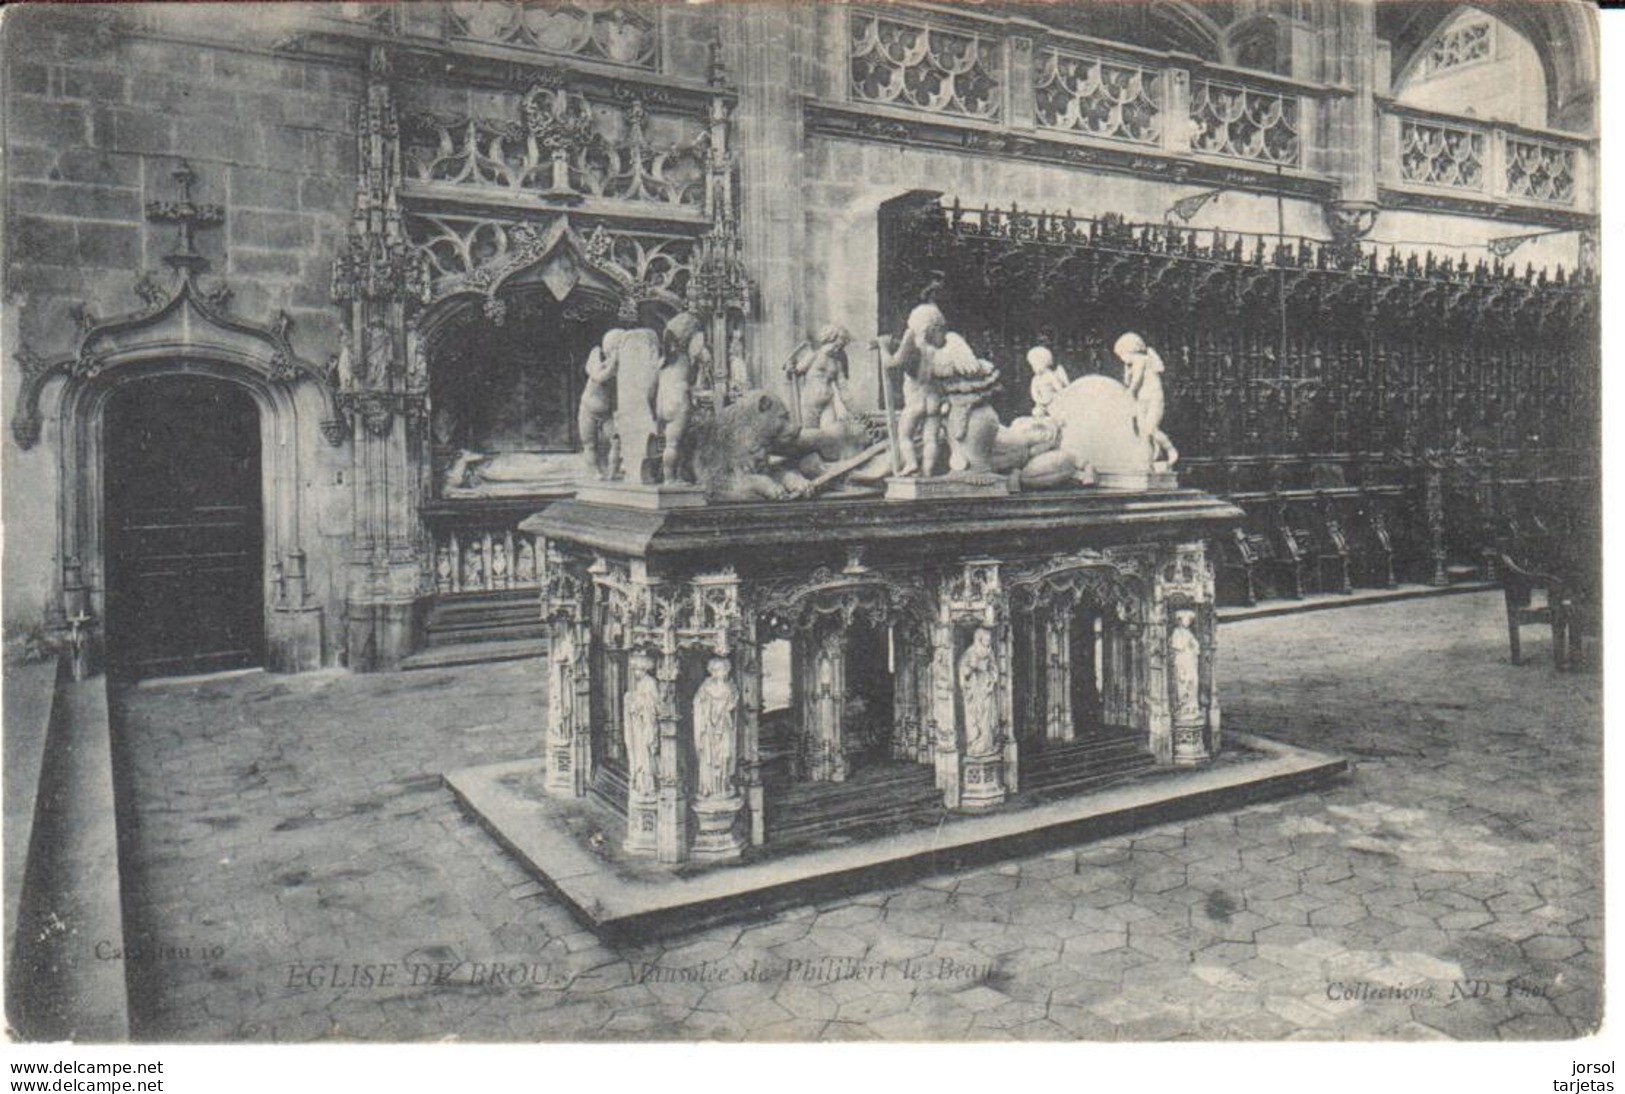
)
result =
(184, 527)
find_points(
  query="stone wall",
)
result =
(101, 107)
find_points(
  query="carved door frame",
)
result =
(185, 336)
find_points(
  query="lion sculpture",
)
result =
(734, 454)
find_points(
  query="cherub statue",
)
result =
(935, 363)
(820, 373)
(599, 447)
(1142, 376)
(684, 348)
(1049, 379)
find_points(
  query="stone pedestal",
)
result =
(946, 761)
(642, 820)
(983, 787)
(564, 771)
(960, 485)
(716, 829)
(1189, 748)
(1136, 480)
(293, 639)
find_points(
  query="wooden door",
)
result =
(185, 533)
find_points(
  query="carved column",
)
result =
(568, 748)
(905, 740)
(973, 598)
(767, 54)
(1208, 633)
(1058, 723)
(1117, 667)
(1003, 642)
(1028, 629)
(671, 816)
(1156, 718)
(1433, 509)
(826, 705)
(293, 639)
(748, 667)
(1350, 137)
(382, 391)
(944, 717)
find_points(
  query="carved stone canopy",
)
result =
(186, 325)
(563, 260)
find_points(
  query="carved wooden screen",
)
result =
(1293, 365)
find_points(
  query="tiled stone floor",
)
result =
(1450, 888)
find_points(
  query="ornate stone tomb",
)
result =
(957, 644)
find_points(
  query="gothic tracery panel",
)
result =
(616, 150)
(1539, 170)
(1079, 93)
(1245, 123)
(1462, 44)
(899, 62)
(620, 33)
(1442, 155)
(469, 253)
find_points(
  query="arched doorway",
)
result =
(184, 527)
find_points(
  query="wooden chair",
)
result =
(1519, 586)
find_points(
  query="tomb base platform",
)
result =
(573, 845)
(989, 650)
(964, 485)
(657, 497)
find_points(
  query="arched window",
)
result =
(1475, 63)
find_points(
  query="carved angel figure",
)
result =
(1049, 379)
(599, 446)
(684, 349)
(936, 363)
(820, 373)
(1142, 375)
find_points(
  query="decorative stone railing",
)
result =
(1022, 78)
(1446, 154)
(1009, 85)
(1246, 123)
(907, 62)
(1076, 92)
(620, 33)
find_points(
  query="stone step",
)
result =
(894, 798)
(494, 613)
(609, 786)
(475, 653)
(1081, 759)
(1074, 771)
(864, 785)
(487, 632)
(500, 616)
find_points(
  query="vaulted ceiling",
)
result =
(1563, 32)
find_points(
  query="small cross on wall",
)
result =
(190, 216)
